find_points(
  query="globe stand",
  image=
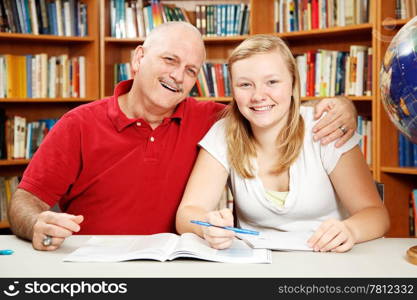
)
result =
(412, 255)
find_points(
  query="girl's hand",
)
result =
(219, 238)
(332, 235)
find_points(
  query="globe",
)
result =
(399, 80)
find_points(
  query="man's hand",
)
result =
(56, 225)
(339, 122)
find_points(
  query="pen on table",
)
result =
(237, 230)
(6, 252)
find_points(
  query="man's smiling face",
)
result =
(168, 66)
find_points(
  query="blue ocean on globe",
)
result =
(399, 80)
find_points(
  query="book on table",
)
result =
(163, 247)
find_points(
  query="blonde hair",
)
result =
(239, 136)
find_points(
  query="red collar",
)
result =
(121, 121)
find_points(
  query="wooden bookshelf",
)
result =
(45, 37)
(391, 22)
(328, 32)
(400, 170)
(13, 162)
(46, 108)
(353, 98)
(4, 224)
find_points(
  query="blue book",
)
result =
(150, 17)
(29, 76)
(21, 17)
(74, 17)
(226, 80)
(415, 155)
(224, 20)
(28, 140)
(296, 16)
(44, 17)
(52, 18)
(26, 16)
(245, 29)
(236, 20)
(401, 150)
(408, 152)
(360, 130)
(83, 20)
(218, 29)
(229, 19)
(209, 78)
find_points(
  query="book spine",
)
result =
(401, 150)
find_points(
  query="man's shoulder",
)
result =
(88, 110)
(203, 106)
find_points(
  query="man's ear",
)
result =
(137, 57)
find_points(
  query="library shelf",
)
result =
(4, 224)
(45, 37)
(328, 32)
(400, 170)
(13, 162)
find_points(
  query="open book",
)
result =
(162, 247)
(279, 240)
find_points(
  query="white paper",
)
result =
(279, 240)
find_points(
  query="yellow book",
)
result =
(21, 69)
(8, 190)
(11, 71)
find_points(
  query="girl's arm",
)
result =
(200, 201)
(368, 216)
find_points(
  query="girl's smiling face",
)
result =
(262, 88)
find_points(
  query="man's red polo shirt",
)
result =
(121, 175)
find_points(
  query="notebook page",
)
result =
(192, 246)
(279, 240)
(122, 248)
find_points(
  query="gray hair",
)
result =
(168, 26)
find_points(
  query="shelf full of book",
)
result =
(126, 23)
(49, 64)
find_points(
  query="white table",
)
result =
(385, 257)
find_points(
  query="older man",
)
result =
(120, 165)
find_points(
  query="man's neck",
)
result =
(134, 109)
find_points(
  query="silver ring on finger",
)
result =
(343, 129)
(47, 241)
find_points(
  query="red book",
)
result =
(369, 74)
(75, 78)
(200, 90)
(315, 14)
(156, 13)
(311, 71)
(219, 79)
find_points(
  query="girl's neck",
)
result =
(266, 138)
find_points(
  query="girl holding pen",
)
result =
(280, 177)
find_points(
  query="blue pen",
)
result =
(237, 230)
(6, 252)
